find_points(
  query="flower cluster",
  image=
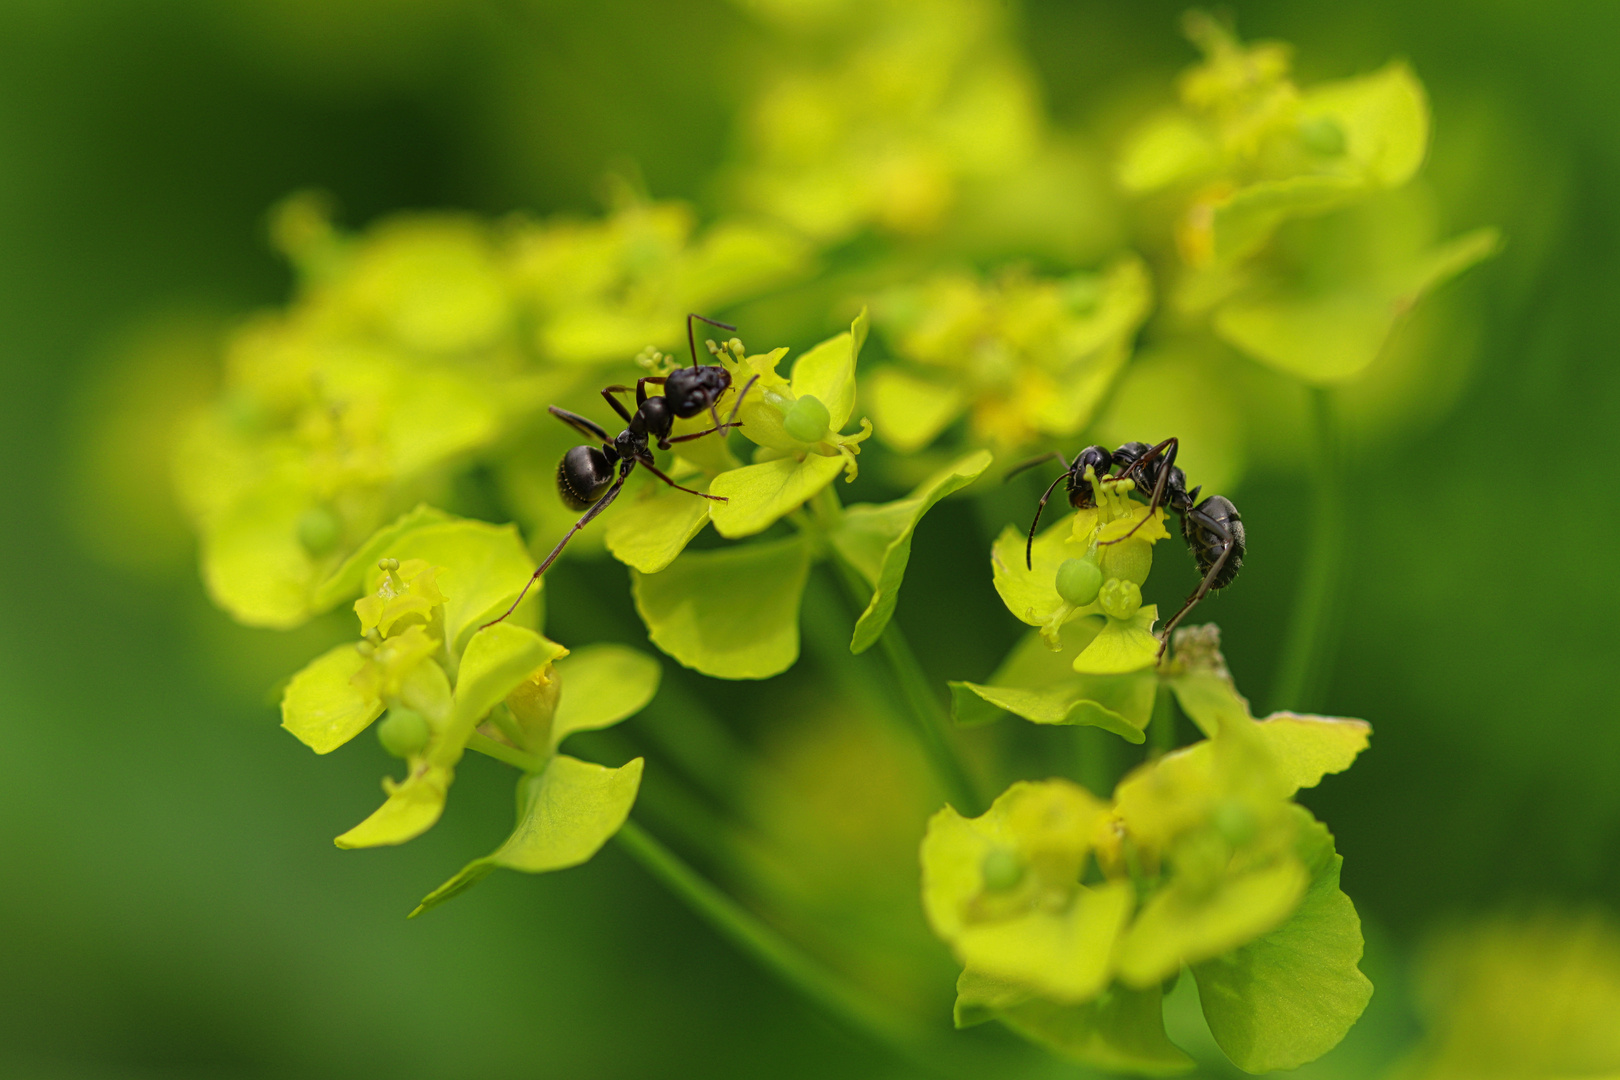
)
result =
(1069, 913)
(447, 681)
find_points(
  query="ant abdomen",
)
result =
(583, 475)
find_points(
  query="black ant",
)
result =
(1213, 528)
(585, 475)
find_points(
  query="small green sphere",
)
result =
(403, 732)
(807, 419)
(318, 530)
(1002, 869)
(1078, 581)
(1120, 598)
(1322, 135)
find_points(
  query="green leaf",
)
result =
(485, 567)
(323, 707)
(569, 811)
(1122, 704)
(1384, 117)
(1246, 220)
(1123, 646)
(911, 412)
(1306, 748)
(412, 808)
(1290, 996)
(349, 579)
(758, 495)
(1031, 594)
(1333, 334)
(876, 541)
(252, 561)
(1168, 148)
(827, 372)
(498, 658)
(732, 613)
(1121, 1031)
(602, 684)
(648, 531)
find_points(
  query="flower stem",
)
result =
(1307, 650)
(501, 752)
(750, 934)
(929, 719)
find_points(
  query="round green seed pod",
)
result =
(1120, 598)
(318, 530)
(403, 732)
(1078, 581)
(807, 419)
(1002, 869)
(1235, 822)
(1129, 560)
(1322, 135)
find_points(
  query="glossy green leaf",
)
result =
(497, 660)
(602, 685)
(323, 707)
(876, 541)
(1122, 646)
(569, 811)
(827, 372)
(349, 579)
(649, 530)
(732, 613)
(484, 568)
(911, 412)
(1290, 996)
(758, 495)
(1121, 1031)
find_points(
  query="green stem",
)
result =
(1162, 725)
(750, 934)
(930, 721)
(1307, 648)
(487, 746)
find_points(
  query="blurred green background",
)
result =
(172, 904)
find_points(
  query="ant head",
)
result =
(1097, 457)
(1081, 495)
(691, 390)
(583, 476)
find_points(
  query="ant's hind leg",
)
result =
(581, 424)
(1209, 577)
(585, 519)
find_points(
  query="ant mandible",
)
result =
(1213, 528)
(585, 476)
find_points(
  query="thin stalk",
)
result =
(1162, 724)
(749, 933)
(501, 752)
(1307, 650)
(930, 721)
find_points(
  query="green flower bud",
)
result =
(403, 732)
(807, 419)
(1078, 581)
(1322, 135)
(1129, 560)
(1002, 869)
(1120, 598)
(318, 530)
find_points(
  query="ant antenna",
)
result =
(691, 342)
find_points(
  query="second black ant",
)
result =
(1212, 528)
(586, 477)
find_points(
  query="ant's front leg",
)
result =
(1157, 499)
(618, 407)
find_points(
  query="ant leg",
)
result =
(581, 424)
(1029, 545)
(1039, 459)
(1203, 586)
(691, 342)
(654, 470)
(596, 508)
(1157, 500)
(731, 422)
(641, 387)
(618, 407)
